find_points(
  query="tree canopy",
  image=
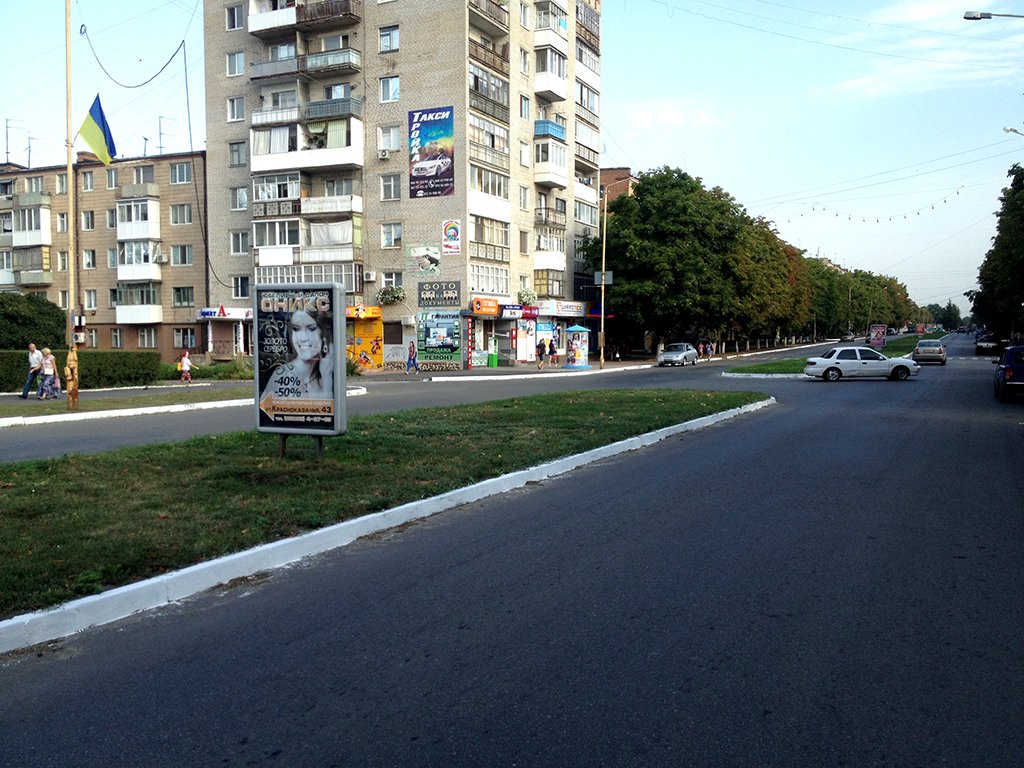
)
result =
(29, 317)
(999, 301)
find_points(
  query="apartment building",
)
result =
(440, 159)
(140, 278)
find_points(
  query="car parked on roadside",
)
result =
(859, 362)
(986, 345)
(679, 353)
(1009, 379)
(929, 351)
(847, 337)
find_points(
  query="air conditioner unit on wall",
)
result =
(383, 154)
(369, 276)
(78, 338)
(408, 320)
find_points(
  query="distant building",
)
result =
(140, 269)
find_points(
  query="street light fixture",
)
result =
(1012, 130)
(979, 15)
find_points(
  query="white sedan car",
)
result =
(859, 362)
(433, 165)
(678, 354)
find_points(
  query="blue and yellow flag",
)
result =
(96, 133)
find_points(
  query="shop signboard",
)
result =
(299, 363)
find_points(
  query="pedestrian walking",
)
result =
(711, 349)
(700, 350)
(49, 370)
(412, 361)
(552, 353)
(541, 349)
(35, 365)
(186, 365)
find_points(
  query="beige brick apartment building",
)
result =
(140, 277)
(446, 147)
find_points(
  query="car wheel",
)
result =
(901, 373)
(661, 365)
(1001, 395)
(943, 362)
(832, 374)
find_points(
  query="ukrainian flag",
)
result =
(96, 133)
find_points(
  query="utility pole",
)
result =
(160, 134)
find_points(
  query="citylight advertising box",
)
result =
(300, 358)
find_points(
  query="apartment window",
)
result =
(111, 218)
(587, 56)
(585, 213)
(524, 61)
(483, 82)
(236, 153)
(281, 51)
(489, 182)
(6, 261)
(390, 186)
(270, 233)
(391, 279)
(588, 98)
(389, 39)
(93, 337)
(524, 107)
(181, 173)
(236, 63)
(338, 187)
(62, 222)
(337, 91)
(389, 89)
(88, 220)
(116, 338)
(6, 222)
(488, 133)
(239, 198)
(524, 242)
(389, 137)
(87, 181)
(550, 60)
(489, 231)
(488, 279)
(132, 210)
(144, 174)
(234, 18)
(181, 213)
(111, 258)
(524, 198)
(181, 255)
(551, 152)
(240, 243)
(62, 299)
(88, 259)
(62, 261)
(183, 296)
(111, 178)
(524, 15)
(185, 338)
(240, 287)
(147, 338)
(34, 184)
(62, 183)
(6, 187)
(90, 299)
(285, 138)
(391, 235)
(28, 220)
(236, 108)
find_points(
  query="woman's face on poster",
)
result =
(307, 341)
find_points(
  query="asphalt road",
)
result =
(834, 581)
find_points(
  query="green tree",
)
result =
(30, 317)
(999, 301)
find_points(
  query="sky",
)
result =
(869, 132)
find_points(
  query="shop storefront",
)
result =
(227, 331)
(364, 335)
(554, 317)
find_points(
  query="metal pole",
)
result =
(604, 241)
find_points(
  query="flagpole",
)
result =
(72, 358)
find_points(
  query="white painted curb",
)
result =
(63, 620)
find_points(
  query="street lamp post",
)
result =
(604, 273)
(979, 15)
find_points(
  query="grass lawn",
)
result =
(154, 396)
(78, 525)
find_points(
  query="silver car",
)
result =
(679, 353)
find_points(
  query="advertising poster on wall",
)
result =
(299, 364)
(440, 337)
(451, 237)
(432, 152)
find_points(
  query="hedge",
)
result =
(96, 368)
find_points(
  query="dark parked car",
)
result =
(1009, 378)
(986, 345)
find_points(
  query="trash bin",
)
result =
(492, 359)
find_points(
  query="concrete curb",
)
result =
(551, 373)
(63, 620)
(24, 421)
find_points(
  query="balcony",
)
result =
(489, 57)
(549, 217)
(550, 174)
(278, 68)
(275, 208)
(483, 104)
(279, 116)
(275, 255)
(139, 314)
(481, 153)
(314, 155)
(136, 191)
(582, 113)
(489, 16)
(329, 13)
(329, 108)
(7, 277)
(33, 278)
(332, 206)
(489, 252)
(550, 87)
(542, 128)
(33, 238)
(320, 254)
(345, 61)
(146, 272)
(264, 22)
(587, 159)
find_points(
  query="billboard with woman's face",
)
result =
(299, 363)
